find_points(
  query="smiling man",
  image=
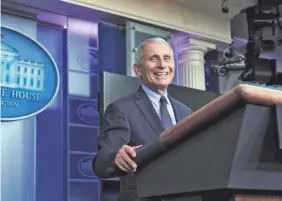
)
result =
(132, 121)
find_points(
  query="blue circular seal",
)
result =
(88, 113)
(29, 76)
(85, 167)
(89, 60)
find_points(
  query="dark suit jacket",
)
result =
(133, 121)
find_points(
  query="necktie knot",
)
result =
(163, 99)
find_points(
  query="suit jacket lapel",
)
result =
(147, 109)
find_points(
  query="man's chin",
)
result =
(164, 83)
(159, 85)
(162, 86)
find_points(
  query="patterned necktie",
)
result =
(166, 120)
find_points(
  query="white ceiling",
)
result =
(45, 8)
(210, 7)
(213, 7)
(52, 11)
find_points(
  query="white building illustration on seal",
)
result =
(20, 73)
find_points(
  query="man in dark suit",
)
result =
(137, 119)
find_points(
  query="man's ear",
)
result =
(137, 70)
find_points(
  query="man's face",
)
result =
(157, 66)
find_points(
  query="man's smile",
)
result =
(161, 74)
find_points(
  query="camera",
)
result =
(259, 18)
(267, 45)
(252, 67)
(224, 9)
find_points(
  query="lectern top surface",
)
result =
(244, 93)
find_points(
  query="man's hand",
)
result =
(124, 158)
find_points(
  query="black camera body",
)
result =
(267, 46)
(260, 69)
(225, 9)
(269, 4)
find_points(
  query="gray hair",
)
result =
(140, 48)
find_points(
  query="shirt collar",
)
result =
(154, 96)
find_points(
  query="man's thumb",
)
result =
(136, 147)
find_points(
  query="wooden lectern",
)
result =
(228, 150)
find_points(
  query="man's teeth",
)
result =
(159, 74)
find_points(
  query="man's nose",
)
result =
(162, 64)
